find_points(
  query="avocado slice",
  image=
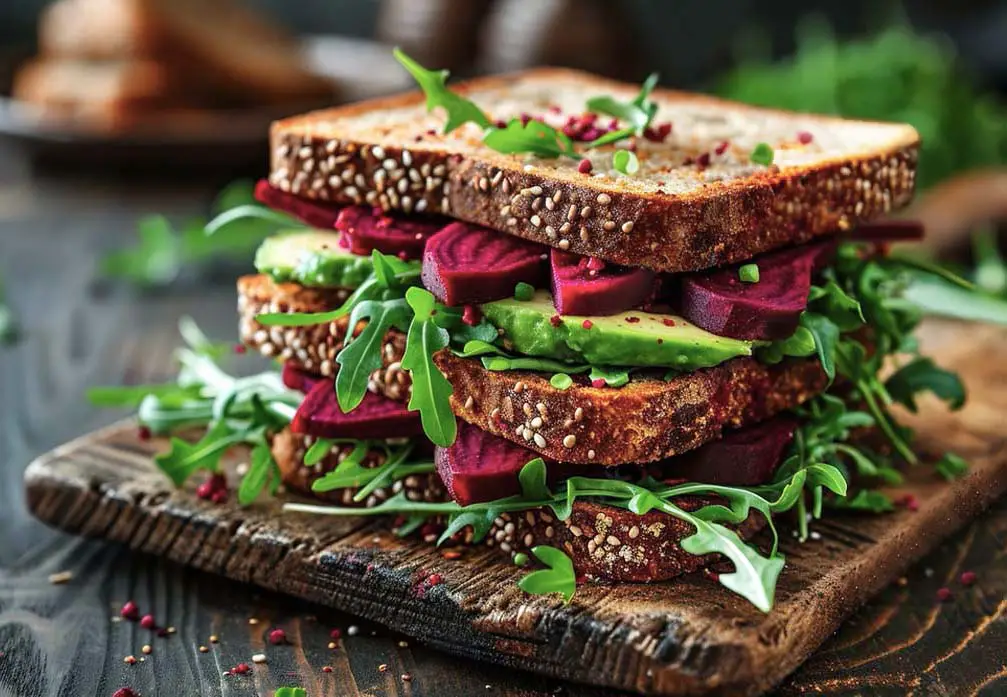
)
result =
(312, 258)
(631, 338)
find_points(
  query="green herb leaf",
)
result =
(558, 578)
(532, 137)
(8, 323)
(613, 377)
(290, 692)
(318, 450)
(434, 84)
(826, 335)
(185, 458)
(639, 112)
(546, 365)
(431, 391)
(533, 480)
(625, 162)
(936, 296)
(362, 355)
(561, 381)
(749, 273)
(952, 466)
(922, 375)
(261, 469)
(865, 500)
(133, 395)
(762, 154)
(611, 137)
(991, 271)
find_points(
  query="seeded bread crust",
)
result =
(646, 420)
(288, 450)
(670, 216)
(312, 349)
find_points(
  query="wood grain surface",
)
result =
(58, 640)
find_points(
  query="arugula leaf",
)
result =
(532, 478)
(613, 377)
(546, 365)
(936, 296)
(865, 500)
(431, 390)
(452, 319)
(8, 323)
(261, 469)
(185, 458)
(348, 473)
(434, 84)
(290, 692)
(991, 271)
(558, 578)
(318, 450)
(639, 112)
(951, 466)
(133, 395)
(362, 355)
(530, 137)
(826, 335)
(921, 375)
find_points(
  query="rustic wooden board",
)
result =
(680, 638)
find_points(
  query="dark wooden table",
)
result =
(62, 639)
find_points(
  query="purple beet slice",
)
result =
(589, 286)
(314, 213)
(479, 466)
(364, 230)
(746, 457)
(464, 264)
(377, 417)
(721, 303)
(296, 379)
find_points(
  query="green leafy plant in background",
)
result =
(162, 250)
(8, 323)
(897, 75)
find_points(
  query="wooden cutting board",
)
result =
(687, 637)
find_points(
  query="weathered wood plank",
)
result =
(686, 637)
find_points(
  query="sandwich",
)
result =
(616, 332)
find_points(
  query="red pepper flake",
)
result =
(129, 660)
(944, 594)
(471, 315)
(130, 611)
(435, 579)
(125, 692)
(213, 488)
(910, 502)
(555, 320)
(277, 637)
(554, 108)
(143, 433)
(659, 134)
(452, 554)
(632, 320)
(598, 382)
(722, 148)
(525, 119)
(587, 324)
(240, 348)
(403, 256)
(803, 137)
(336, 634)
(163, 632)
(585, 166)
(668, 322)
(147, 622)
(967, 578)
(703, 160)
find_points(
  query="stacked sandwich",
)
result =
(116, 64)
(616, 328)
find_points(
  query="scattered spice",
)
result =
(383, 668)
(277, 637)
(214, 638)
(944, 594)
(406, 677)
(451, 554)
(326, 669)
(60, 578)
(203, 649)
(241, 669)
(147, 650)
(803, 137)
(125, 692)
(555, 320)
(144, 433)
(240, 348)
(129, 660)
(598, 382)
(668, 322)
(722, 148)
(213, 488)
(471, 315)
(632, 320)
(147, 622)
(967, 578)
(253, 621)
(703, 160)
(585, 166)
(434, 579)
(587, 324)
(336, 634)
(259, 658)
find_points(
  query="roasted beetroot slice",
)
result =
(589, 286)
(465, 264)
(297, 379)
(721, 303)
(479, 466)
(314, 213)
(377, 417)
(365, 229)
(746, 457)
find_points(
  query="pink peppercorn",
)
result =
(967, 578)
(703, 160)
(803, 137)
(944, 594)
(600, 382)
(147, 622)
(722, 148)
(471, 315)
(277, 637)
(326, 669)
(336, 633)
(434, 579)
(129, 611)
(555, 320)
(587, 324)
(240, 348)
(585, 166)
(125, 692)
(241, 669)
(143, 433)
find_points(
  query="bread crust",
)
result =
(313, 349)
(714, 223)
(646, 420)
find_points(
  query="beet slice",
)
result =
(721, 303)
(314, 213)
(365, 229)
(466, 264)
(296, 379)
(746, 457)
(589, 286)
(377, 417)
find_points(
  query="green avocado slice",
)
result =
(312, 258)
(631, 338)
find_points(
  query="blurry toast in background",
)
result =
(112, 63)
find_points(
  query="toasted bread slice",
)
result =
(672, 215)
(646, 420)
(312, 349)
(244, 53)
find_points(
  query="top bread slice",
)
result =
(672, 215)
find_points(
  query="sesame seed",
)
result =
(214, 638)
(259, 658)
(378, 152)
(528, 540)
(550, 204)
(535, 190)
(571, 214)
(549, 532)
(536, 205)
(539, 440)
(535, 220)
(147, 650)
(634, 532)
(613, 541)
(627, 227)
(518, 387)
(585, 212)
(604, 199)
(576, 531)
(203, 649)
(505, 211)
(469, 402)
(564, 245)
(590, 454)
(569, 440)
(536, 422)
(527, 433)
(60, 578)
(578, 414)
(609, 225)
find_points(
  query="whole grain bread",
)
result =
(696, 202)
(646, 420)
(312, 349)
